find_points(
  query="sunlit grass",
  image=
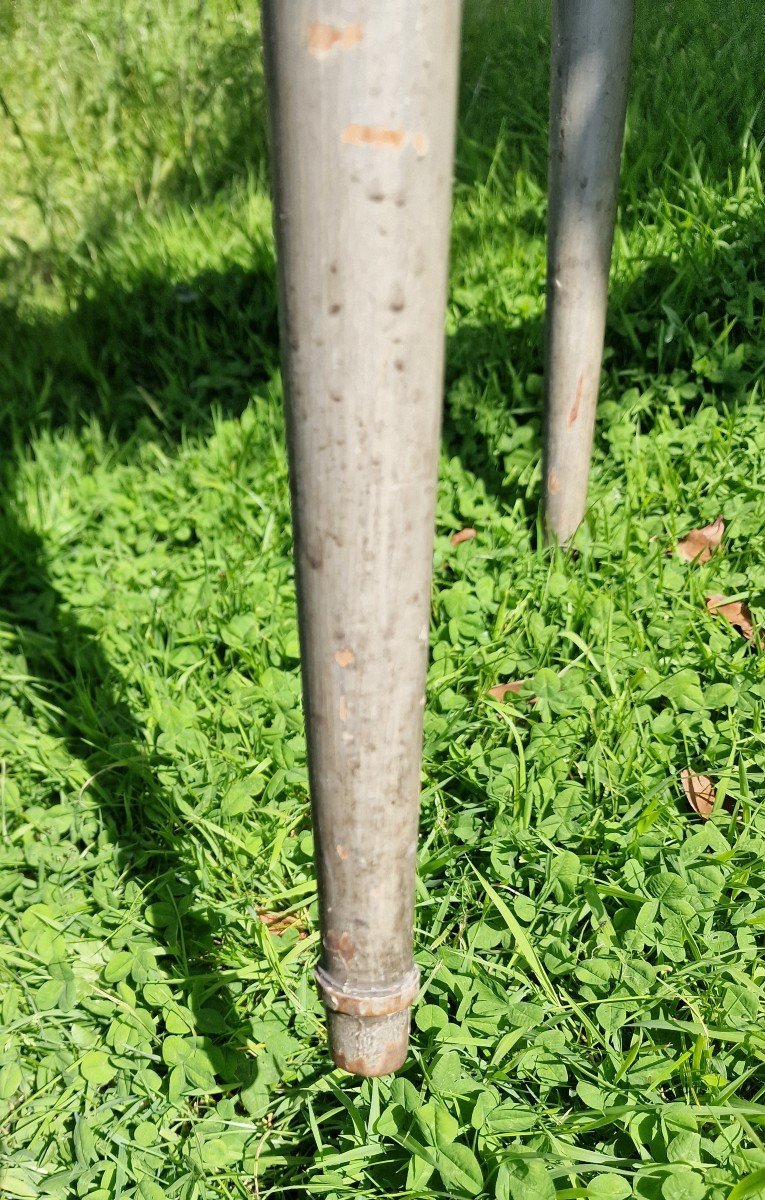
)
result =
(591, 1019)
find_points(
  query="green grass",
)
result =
(591, 1023)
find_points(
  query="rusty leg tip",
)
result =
(369, 1046)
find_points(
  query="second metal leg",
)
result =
(591, 45)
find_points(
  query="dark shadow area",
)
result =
(85, 706)
(152, 358)
(487, 369)
(152, 361)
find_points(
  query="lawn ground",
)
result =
(591, 1023)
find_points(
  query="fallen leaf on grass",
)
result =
(463, 535)
(279, 923)
(736, 612)
(500, 690)
(699, 792)
(700, 544)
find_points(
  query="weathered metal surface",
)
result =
(373, 1002)
(370, 1047)
(591, 44)
(362, 97)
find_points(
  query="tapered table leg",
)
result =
(591, 44)
(362, 97)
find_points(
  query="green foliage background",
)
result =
(592, 1015)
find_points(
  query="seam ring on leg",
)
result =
(368, 1002)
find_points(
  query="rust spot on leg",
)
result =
(552, 483)
(342, 711)
(420, 143)
(323, 39)
(573, 412)
(374, 136)
(344, 658)
(341, 852)
(341, 945)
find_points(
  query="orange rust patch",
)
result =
(343, 709)
(552, 483)
(341, 852)
(375, 136)
(573, 412)
(340, 945)
(323, 39)
(344, 658)
(420, 143)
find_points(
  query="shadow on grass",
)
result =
(86, 708)
(147, 361)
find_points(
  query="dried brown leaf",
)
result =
(736, 612)
(699, 792)
(500, 690)
(700, 544)
(463, 535)
(279, 923)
